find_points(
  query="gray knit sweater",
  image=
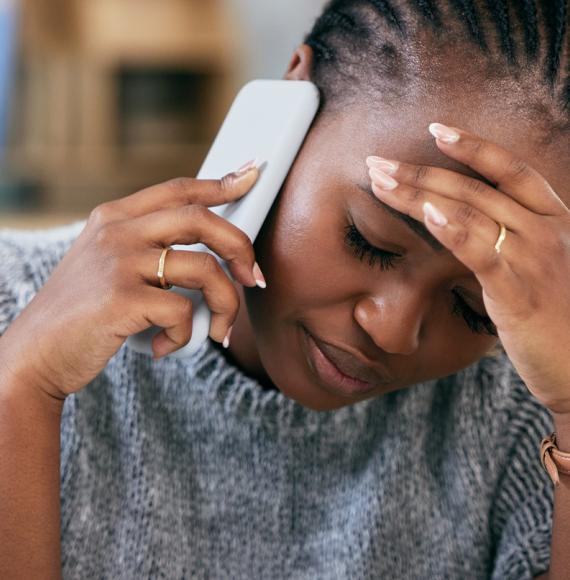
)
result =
(189, 469)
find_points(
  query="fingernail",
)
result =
(443, 133)
(383, 180)
(434, 215)
(259, 278)
(226, 342)
(247, 167)
(388, 167)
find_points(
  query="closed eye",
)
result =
(363, 249)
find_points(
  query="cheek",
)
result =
(302, 254)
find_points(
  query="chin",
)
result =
(316, 399)
(295, 379)
(300, 389)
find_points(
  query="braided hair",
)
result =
(372, 45)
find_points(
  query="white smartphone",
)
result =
(268, 121)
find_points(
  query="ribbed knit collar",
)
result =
(223, 384)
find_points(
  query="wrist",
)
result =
(17, 391)
(562, 429)
(17, 376)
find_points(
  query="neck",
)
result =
(243, 352)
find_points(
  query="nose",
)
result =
(394, 323)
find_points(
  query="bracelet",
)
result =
(554, 460)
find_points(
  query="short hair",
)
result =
(359, 44)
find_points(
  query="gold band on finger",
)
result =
(501, 237)
(160, 272)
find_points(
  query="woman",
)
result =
(264, 460)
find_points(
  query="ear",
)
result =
(301, 64)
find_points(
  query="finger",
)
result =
(193, 224)
(470, 245)
(460, 187)
(196, 271)
(186, 190)
(508, 171)
(169, 311)
(476, 224)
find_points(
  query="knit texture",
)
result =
(189, 469)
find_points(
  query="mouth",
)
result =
(341, 371)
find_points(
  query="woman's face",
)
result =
(393, 326)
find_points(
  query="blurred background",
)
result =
(99, 98)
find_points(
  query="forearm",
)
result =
(560, 547)
(29, 482)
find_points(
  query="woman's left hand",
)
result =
(526, 287)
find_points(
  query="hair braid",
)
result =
(384, 8)
(555, 16)
(348, 41)
(468, 12)
(340, 20)
(500, 11)
(430, 11)
(526, 10)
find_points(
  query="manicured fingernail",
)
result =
(434, 215)
(443, 133)
(259, 277)
(388, 167)
(247, 167)
(382, 180)
(226, 342)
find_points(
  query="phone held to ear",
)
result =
(268, 121)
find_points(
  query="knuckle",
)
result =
(207, 263)
(421, 173)
(190, 214)
(476, 147)
(465, 214)
(517, 170)
(198, 212)
(184, 308)
(103, 214)
(180, 187)
(460, 238)
(415, 195)
(472, 187)
(231, 305)
(244, 247)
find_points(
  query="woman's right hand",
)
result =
(106, 287)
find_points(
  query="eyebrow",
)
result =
(417, 227)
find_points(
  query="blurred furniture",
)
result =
(39, 220)
(115, 95)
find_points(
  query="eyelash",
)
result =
(362, 248)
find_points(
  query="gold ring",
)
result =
(160, 272)
(501, 237)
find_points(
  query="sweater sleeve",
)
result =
(523, 505)
(13, 283)
(27, 259)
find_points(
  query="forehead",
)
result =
(343, 141)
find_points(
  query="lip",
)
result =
(342, 371)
